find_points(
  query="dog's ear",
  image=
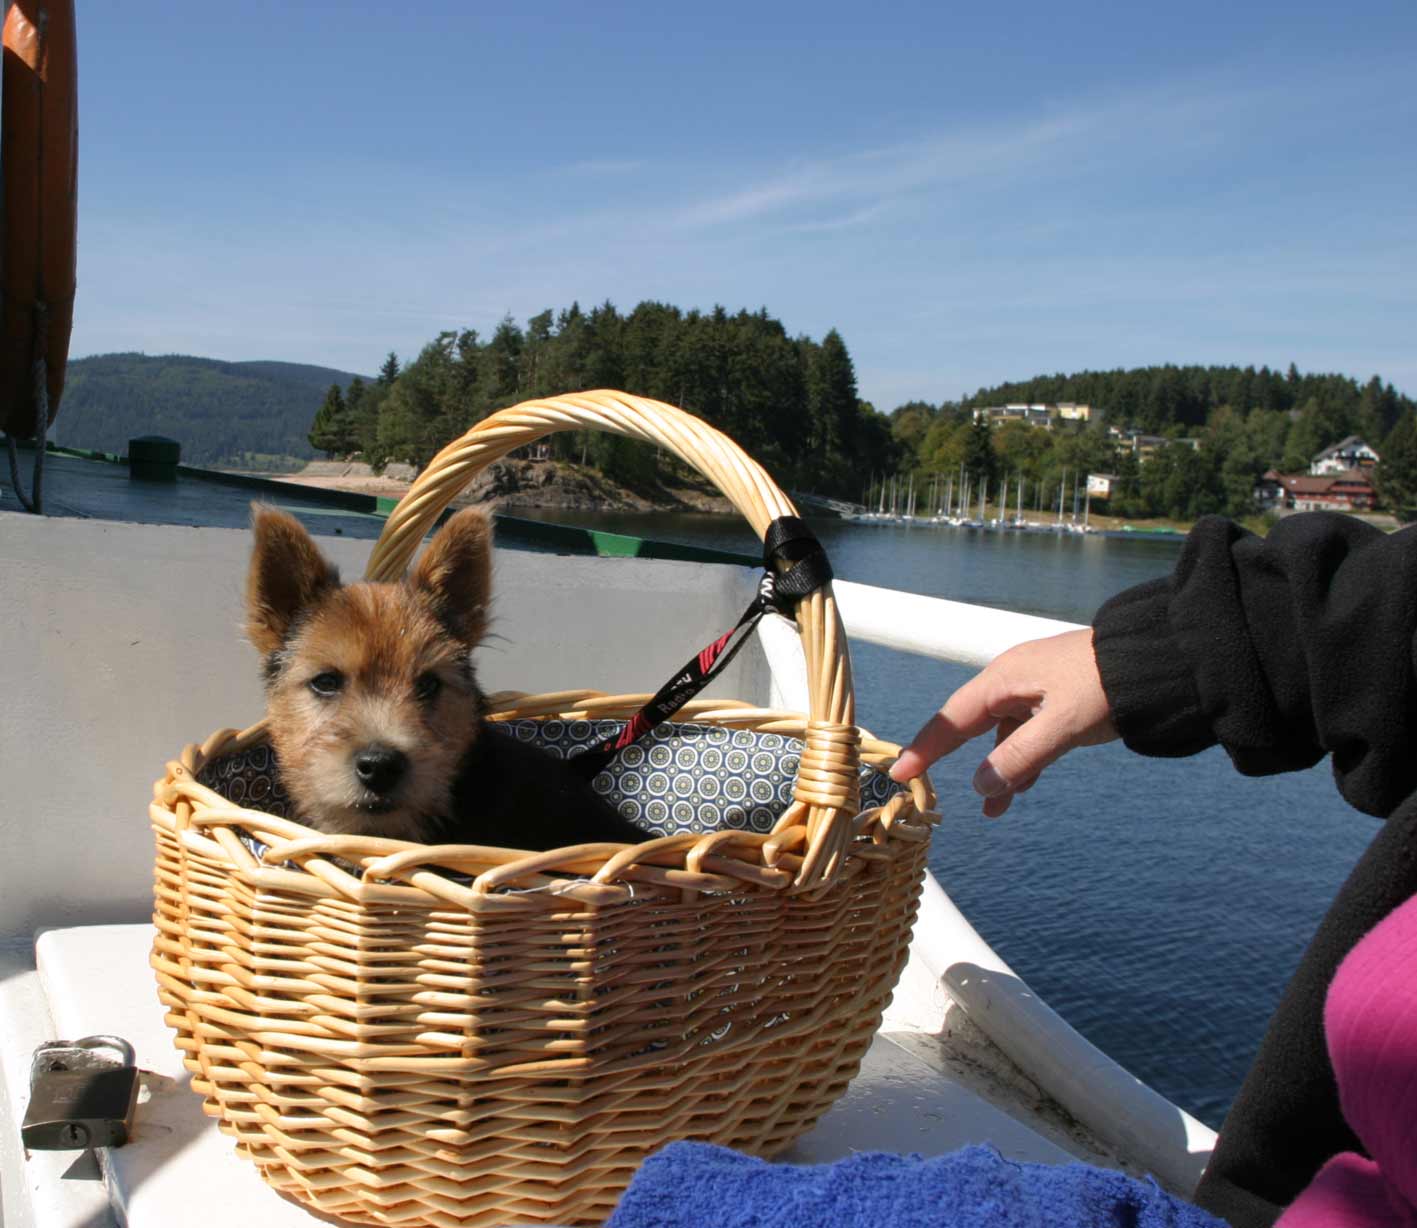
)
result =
(288, 574)
(455, 574)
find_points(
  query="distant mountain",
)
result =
(300, 373)
(249, 414)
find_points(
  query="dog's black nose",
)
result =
(380, 768)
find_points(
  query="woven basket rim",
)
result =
(721, 985)
(588, 874)
(827, 774)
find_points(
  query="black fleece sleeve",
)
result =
(1283, 649)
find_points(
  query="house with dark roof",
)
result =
(1350, 453)
(1349, 491)
(1143, 446)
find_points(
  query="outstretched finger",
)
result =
(965, 715)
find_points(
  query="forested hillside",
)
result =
(1153, 398)
(791, 402)
(255, 414)
(1226, 427)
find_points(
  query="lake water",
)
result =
(1160, 905)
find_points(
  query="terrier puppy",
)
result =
(374, 711)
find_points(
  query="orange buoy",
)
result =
(39, 147)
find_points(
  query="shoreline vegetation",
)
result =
(1176, 442)
(514, 484)
(792, 404)
(552, 486)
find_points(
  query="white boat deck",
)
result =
(96, 979)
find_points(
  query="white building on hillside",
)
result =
(1350, 453)
(1034, 415)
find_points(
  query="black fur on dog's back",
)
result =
(513, 794)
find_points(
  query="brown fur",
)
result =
(401, 656)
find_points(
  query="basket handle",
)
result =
(827, 786)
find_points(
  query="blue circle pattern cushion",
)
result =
(676, 779)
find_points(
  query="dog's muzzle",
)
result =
(380, 768)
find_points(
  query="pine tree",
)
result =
(1397, 471)
(832, 405)
(1128, 500)
(390, 370)
(980, 460)
(1305, 439)
(1369, 415)
(503, 365)
(332, 432)
(363, 402)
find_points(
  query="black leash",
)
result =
(795, 566)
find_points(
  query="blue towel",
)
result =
(695, 1185)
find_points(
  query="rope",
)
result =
(34, 502)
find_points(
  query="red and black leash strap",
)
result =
(795, 565)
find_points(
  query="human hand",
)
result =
(1041, 698)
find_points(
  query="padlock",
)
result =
(82, 1094)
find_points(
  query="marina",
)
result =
(963, 503)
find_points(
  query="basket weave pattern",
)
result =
(393, 1045)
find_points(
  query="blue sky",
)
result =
(969, 193)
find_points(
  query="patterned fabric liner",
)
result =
(677, 779)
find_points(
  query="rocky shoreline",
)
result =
(513, 484)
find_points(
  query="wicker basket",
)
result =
(457, 1035)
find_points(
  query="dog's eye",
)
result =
(328, 683)
(427, 686)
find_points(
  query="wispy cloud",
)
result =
(592, 167)
(863, 216)
(1083, 231)
(988, 154)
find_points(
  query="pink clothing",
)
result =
(1370, 1020)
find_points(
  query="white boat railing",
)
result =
(1117, 1107)
(934, 627)
(927, 626)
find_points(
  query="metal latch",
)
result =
(82, 1094)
